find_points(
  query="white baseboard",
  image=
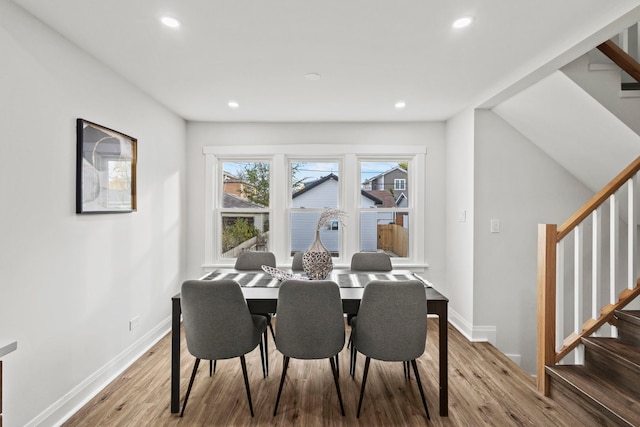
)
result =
(478, 333)
(471, 332)
(75, 399)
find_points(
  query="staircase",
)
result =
(605, 390)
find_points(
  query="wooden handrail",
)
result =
(621, 58)
(598, 199)
(548, 237)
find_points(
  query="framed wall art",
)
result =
(105, 170)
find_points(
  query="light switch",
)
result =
(495, 225)
(462, 216)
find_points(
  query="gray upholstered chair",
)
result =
(391, 326)
(310, 325)
(296, 264)
(371, 261)
(218, 325)
(254, 260)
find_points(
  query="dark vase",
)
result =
(316, 261)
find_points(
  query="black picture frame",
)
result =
(105, 170)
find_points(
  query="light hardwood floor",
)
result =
(485, 389)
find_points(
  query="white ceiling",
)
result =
(369, 54)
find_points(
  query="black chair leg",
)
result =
(284, 374)
(337, 366)
(246, 382)
(424, 402)
(210, 368)
(273, 334)
(262, 351)
(364, 382)
(352, 362)
(335, 379)
(193, 377)
(407, 369)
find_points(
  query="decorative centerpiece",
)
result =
(316, 261)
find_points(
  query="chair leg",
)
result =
(352, 362)
(338, 366)
(407, 369)
(424, 402)
(262, 351)
(284, 374)
(335, 379)
(364, 382)
(210, 368)
(273, 334)
(246, 382)
(193, 377)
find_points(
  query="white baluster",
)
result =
(578, 287)
(613, 252)
(596, 263)
(560, 332)
(632, 235)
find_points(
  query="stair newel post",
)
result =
(547, 240)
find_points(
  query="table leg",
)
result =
(443, 338)
(175, 355)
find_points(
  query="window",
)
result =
(272, 198)
(244, 207)
(384, 213)
(314, 187)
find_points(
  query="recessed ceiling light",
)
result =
(462, 22)
(170, 22)
(233, 104)
(400, 105)
(312, 76)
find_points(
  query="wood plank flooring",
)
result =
(485, 389)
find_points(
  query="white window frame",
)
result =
(280, 157)
(400, 181)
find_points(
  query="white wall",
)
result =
(210, 134)
(520, 185)
(69, 284)
(460, 220)
(604, 86)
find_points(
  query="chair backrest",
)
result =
(392, 320)
(254, 260)
(296, 264)
(310, 321)
(217, 321)
(371, 261)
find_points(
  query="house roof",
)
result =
(310, 186)
(233, 201)
(385, 197)
(384, 173)
(314, 184)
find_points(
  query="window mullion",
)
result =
(279, 212)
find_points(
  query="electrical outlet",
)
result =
(133, 323)
(495, 225)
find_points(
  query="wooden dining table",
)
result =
(261, 292)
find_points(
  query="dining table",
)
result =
(260, 290)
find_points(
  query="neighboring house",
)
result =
(322, 193)
(394, 180)
(258, 220)
(231, 184)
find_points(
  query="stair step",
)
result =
(630, 86)
(629, 326)
(604, 402)
(614, 360)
